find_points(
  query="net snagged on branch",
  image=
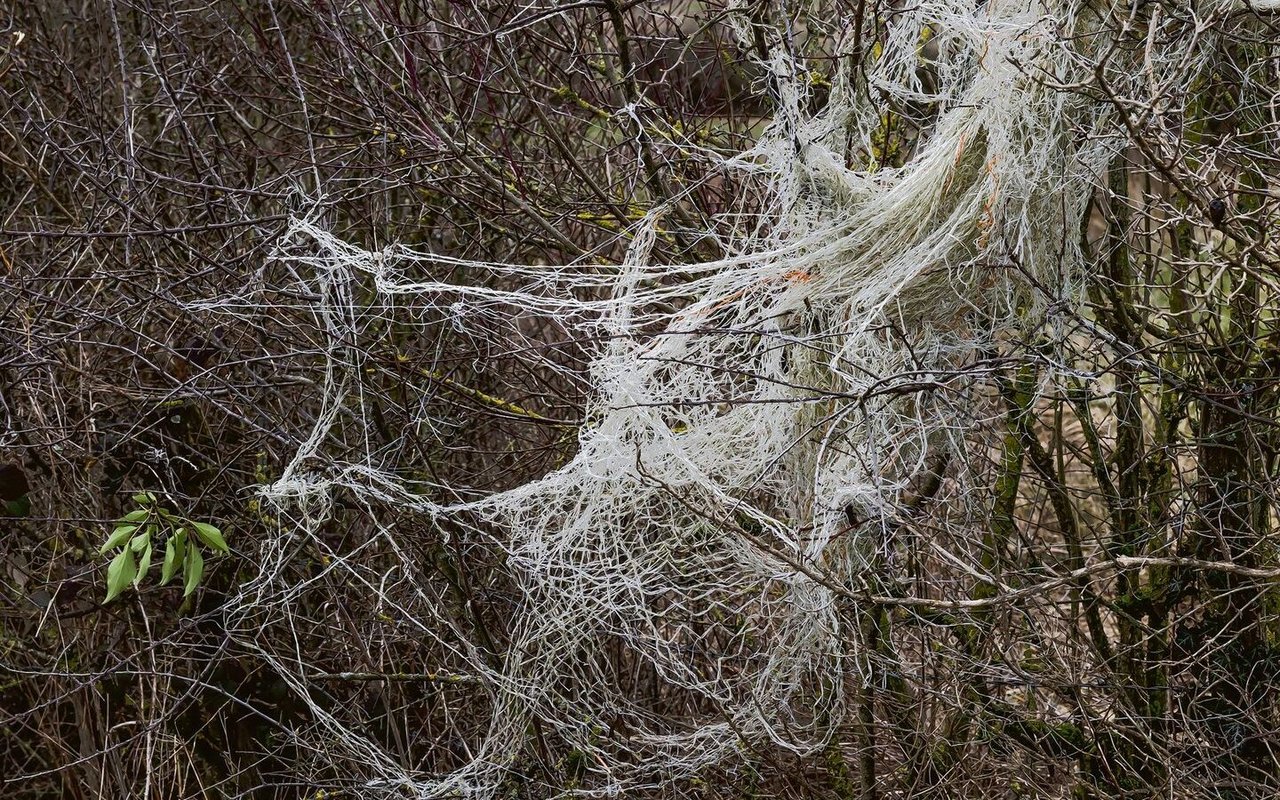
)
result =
(754, 421)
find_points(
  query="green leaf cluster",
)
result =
(137, 536)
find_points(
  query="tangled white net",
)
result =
(745, 412)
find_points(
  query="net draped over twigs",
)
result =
(751, 429)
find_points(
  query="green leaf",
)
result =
(118, 537)
(171, 560)
(120, 573)
(18, 508)
(211, 536)
(144, 498)
(194, 569)
(140, 541)
(144, 564)
(137, 515)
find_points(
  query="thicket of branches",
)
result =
(1069, 592)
